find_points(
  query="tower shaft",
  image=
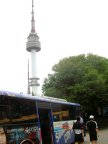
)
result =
(28, 90)
(33, 63)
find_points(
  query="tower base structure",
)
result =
(34, 84)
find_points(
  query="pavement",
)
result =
(103, 137)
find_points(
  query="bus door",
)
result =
(46, 126)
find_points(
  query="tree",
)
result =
(82, 79)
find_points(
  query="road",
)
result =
(103, 137)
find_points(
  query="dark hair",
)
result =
(78, 118)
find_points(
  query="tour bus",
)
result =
(26, 119)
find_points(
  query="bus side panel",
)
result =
(63, 132)
(17, 134)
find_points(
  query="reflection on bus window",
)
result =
(62, 115)
(56, 117)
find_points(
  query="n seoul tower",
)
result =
(33, 46)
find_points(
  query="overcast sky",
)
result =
(65, 27)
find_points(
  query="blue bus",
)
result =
(26, 119)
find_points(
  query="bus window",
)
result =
(63, 112)
(15, 110)
(4, 110)
(23, 110)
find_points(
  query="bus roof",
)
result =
(38, 98)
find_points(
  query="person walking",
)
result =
(83, 123)
(78, 130)
(92, 127)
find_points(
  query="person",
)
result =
(81, 120)
(78, 130)
(92, 127)
(83, 123)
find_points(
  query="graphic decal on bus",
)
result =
(64, 132)
(16, 134)
(2, 136)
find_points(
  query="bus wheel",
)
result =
(27, 142)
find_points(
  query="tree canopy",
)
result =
(82, 79)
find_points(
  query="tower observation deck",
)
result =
(33, 46)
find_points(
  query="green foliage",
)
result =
(82, 79)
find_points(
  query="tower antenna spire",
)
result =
(33, 20)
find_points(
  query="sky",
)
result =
(65, 27)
